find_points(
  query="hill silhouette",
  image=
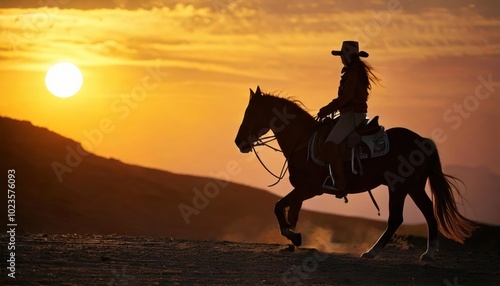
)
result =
(61, 188)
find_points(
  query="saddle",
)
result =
(369, 140)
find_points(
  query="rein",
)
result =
(264, 142)
(261, 142)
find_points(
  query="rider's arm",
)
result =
(328, 109)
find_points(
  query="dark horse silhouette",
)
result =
(405, 169)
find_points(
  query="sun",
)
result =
(64, 79)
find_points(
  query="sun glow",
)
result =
(64, 79)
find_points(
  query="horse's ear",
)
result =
(257, 92)
(251, 93)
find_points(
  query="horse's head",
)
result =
(255, 122)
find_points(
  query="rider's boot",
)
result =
(336, 163)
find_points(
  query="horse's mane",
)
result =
(295, 103)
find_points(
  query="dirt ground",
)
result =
(43, 259)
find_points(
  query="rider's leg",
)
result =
(348, 121)
(334, 154)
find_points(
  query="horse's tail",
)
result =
(451, 223)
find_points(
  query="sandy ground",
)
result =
(129, 260)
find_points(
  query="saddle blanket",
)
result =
(359, 147)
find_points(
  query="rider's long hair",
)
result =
(367, 75)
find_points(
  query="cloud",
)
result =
(278, 7)
(223, 36)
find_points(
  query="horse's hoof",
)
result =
(368, 255)
(296, 239)
(426, 257)
(289, 248)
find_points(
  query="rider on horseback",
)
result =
(352, 104)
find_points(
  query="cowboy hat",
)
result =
(350, 48)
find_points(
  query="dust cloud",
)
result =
(337, 241)
(354, 240)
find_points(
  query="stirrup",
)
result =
(339, 194)
(330, 187)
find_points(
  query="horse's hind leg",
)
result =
(396, 203)
(424, 203)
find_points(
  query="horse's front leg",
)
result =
(294, 201)
(293, 214)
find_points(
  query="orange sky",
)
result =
(194, 63)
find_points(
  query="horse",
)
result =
(405, 169)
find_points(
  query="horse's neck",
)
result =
(292, 129)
